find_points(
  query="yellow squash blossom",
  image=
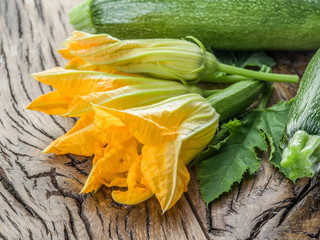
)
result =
(77, 90)
(175, 59)
(160, 58)
(145, 149)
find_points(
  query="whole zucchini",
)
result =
(223, 24)
(301, 141)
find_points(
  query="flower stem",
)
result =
(225, 79)
(273, 77)
(266, 97)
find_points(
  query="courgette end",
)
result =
(81, 19)
(301, 157)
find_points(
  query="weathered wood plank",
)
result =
(39, 193)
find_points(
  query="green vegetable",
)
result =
(236, 98)
(301, 140)
(223, 24)
(233, 150)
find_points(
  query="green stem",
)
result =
(273, 77)
(225, 79)
(265, 97)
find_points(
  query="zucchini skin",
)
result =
(304, 114)
(221, 24)
(234, 99)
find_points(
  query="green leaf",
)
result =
(236, 156)
(273, 124)
(259, 59)
(245, 59)
(218, 141)
(226, 161)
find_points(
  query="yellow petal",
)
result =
(82, 139)
(53, 103)
(144, 130)
(132, 196)
(90, 133)
(115, 131)
(77, 64)
(195, 121)
(111, 165)
(100, 46)
(80, 64)
(97, 178)
(103, 119)
(114, 181)
(65, 53)
(117, 158)
(188, 110)
(164, 172)
(83, 122)
(73, 82)
(197, 141)
(125, 97)
(79, 40)
(76, 82)
(136, 192)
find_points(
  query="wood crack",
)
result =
(298, 197)
(263, 218)
(66, 235)
(19, 126)
(10, 188)
(3, 54)
(38, 5)
(71, 222)
(25, 90)
(196, 214)
(147, 222)
(74, 163)
(19, 21)
(30, 234)
(53, 55)
(3, 237)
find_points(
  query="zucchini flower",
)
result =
(144, 149)
(173, 59)
(76, 91)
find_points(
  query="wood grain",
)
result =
(39, 194)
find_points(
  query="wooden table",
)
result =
(39, 194)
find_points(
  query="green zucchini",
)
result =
(234, 99)
(222, 24)
(301, 140)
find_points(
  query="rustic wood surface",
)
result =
(39, 194)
